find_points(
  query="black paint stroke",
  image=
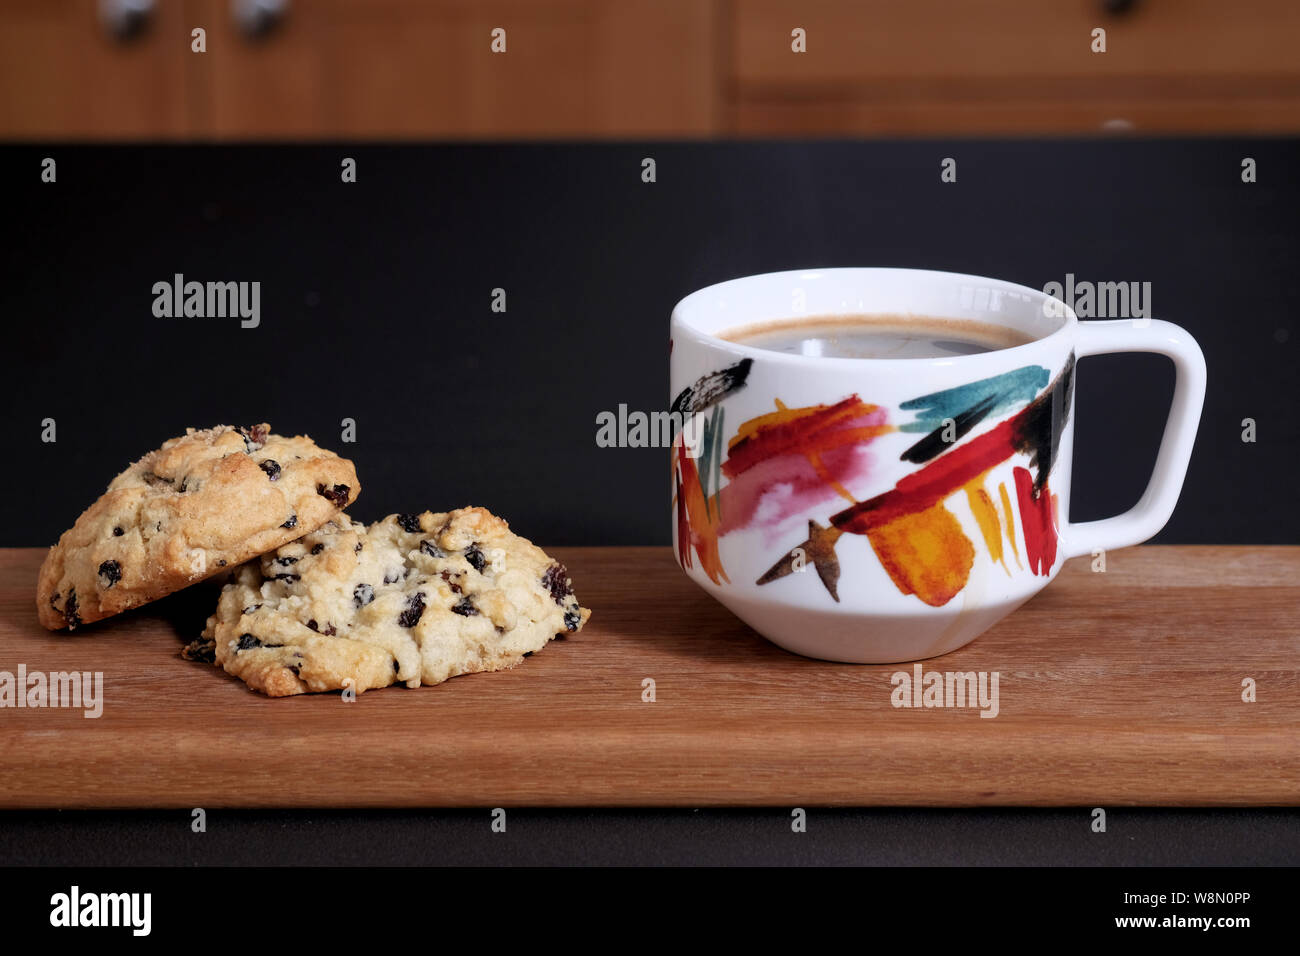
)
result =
(712, 388)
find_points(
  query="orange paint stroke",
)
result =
(683, 523)
(926, 553)
(825, 475)
(697, 523)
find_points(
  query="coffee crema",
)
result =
(876, 336)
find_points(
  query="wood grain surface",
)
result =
(1123, 687)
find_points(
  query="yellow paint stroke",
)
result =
(925, 553)
(1011, 522)
(986, 516)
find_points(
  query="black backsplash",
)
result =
(376, 306)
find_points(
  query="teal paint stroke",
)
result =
(710, 469)
(1004, 391)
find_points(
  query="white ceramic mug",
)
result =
(887, 510)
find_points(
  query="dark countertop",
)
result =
(533, 837)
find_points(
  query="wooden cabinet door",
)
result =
(425, 68)
(63, 75)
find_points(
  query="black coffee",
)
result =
(876, 336)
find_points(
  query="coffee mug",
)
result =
(880, 510)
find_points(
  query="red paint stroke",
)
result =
(1038, 518)
(1022, 432)
(804, 431)
(925, 488)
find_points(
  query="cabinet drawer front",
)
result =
(857, 41)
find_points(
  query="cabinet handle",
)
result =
(257, 18)
(124, 20)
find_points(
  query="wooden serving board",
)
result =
(1123, 687)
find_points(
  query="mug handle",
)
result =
(1153, 509)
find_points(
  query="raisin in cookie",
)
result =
(198, 505)
(414, 599)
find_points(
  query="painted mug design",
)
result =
(817, 459)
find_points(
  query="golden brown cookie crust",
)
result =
(200, 504)
(413, 599)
